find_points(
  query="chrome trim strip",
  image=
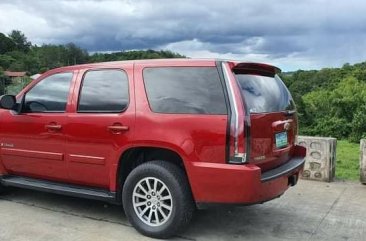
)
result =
(96, 160)
(32, 154)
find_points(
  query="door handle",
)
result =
(117, 128)
(282, 125)
(53, 127)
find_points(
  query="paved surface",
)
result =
(309, 211)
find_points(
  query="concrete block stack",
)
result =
(320, 158)
(363, 161)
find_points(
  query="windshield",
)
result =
(265, 94)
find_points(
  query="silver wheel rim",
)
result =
(152, 201)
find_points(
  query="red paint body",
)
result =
(86, 152)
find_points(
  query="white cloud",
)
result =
(291, 34)
(196, 49)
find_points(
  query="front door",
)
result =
(32, 142)
(101, 124)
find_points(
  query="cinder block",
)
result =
(363, 161)
(320, 158)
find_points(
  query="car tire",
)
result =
(157, 199)
(2, 189)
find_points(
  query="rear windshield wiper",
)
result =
(289, 112)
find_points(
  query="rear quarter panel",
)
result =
(195, 137)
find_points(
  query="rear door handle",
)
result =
(282, 125)
(53, 127)
(117, 128)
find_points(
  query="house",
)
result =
(15, 76)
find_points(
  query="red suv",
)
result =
(161, 137)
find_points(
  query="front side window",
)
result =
(189, 90)
(104, 91)
(49, 95)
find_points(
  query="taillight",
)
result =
(236, 143)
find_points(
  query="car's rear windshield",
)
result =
(265, 94)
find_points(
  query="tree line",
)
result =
(331, 101)
(19, 54)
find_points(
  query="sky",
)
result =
(307, 34)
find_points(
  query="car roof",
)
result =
(164, 62)
(139, 61)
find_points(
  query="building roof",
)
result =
(14, 74)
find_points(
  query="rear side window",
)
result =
(49, 95)
(190, 90)
(265, 94)
(104, 91)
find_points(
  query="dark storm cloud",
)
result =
(297, 34)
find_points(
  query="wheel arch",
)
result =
(136, 155)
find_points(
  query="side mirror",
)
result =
(7, 102)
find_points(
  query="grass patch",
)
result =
(348, 165)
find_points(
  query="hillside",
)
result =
(18, 54)
(331, 101)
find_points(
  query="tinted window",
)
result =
(264, 94)
(104, 91)
(49, 95)
(184, 90)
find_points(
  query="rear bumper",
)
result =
(283, 170)
(214, 183)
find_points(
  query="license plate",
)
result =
(281, 139)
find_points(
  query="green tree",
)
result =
(6, 44)
(6, 61)
(338, 112)
(75, 55)
(20, 40)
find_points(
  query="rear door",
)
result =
(100, 125)
(272, 115)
